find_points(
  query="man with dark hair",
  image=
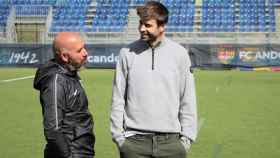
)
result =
(153, 113)
(68, 124)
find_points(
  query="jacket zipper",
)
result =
(153, 58)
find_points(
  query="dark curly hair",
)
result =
(153, 10)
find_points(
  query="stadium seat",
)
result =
(218, 16)
(69, 15)
(181, 15)
(111, 16)
(224, 15)
(31, 10)
(4, 13)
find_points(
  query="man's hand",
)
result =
(186, 142)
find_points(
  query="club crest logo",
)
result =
(226, 55)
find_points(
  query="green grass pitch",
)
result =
(238, 113)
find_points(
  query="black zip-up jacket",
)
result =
(65, 109)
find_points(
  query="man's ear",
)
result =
(64, 56)
(161, 28)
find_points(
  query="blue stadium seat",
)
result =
(70, 15)
(218, 16)
(33, 2)
(31, 10)
(253, 16)
(181, 17)
(4, 13)
(222, 15)
(111, 16)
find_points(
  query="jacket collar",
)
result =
(65, 68)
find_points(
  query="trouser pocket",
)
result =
(83, 145)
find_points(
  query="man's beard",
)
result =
(74, 66)
(148, 37)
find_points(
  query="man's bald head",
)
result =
(69, 48)
(65, 40)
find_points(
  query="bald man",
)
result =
(68, 124)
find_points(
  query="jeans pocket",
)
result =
(121, 144)
(137, 137)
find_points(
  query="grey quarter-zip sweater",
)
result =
(153, 91)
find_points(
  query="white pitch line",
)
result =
(16, 79)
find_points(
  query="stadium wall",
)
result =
(219, 56)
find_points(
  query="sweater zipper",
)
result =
(153, 58)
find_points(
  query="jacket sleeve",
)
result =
(188, 107)
(52, 96)
(119, 99)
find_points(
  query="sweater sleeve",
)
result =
(188, 107)
(119, 99)
(52, 98)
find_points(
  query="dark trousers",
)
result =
(81, 147)
(153, 146)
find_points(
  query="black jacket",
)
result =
(64, 105)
